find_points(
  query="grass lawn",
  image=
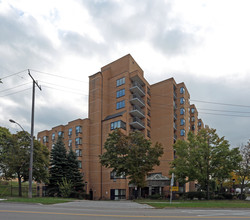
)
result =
(42, 200)
(197, 204)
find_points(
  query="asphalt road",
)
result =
(108, 210)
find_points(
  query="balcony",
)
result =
(175, 128)
(136, 111)
(137, 88)
(135, 99)
(137, 123)
(175, 96)
(175, 116)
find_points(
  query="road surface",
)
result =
(108, 210)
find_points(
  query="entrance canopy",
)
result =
(157, 180)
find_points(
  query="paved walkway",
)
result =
(126, 204)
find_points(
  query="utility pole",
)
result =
(32, 134)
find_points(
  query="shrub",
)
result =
(155, 196)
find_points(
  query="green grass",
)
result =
(42, 200)
(197, 204)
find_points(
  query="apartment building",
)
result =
(120, 97)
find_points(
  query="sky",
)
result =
(203, 43)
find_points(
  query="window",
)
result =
(118, 124)
(183, 121)
(120, 93)
(149, 113)
(182, 111)
(183, 132)
(53, 145)
(182, 100)
(192, 110)
(148, 91)
(53, 137)
(78, 129)
(182, 90)
(70, 143)
(70, 132)
(113, 175)
(148, 101)
(78, 141)
(45, 139)
(39, 139)
(79, 164)
(78, 153)
(116, 194)
(148, 123)
(120, 104)
(120, 82)
(193, 127)
(193, 118)
(148, 133)
(60, 134)
(199, 124)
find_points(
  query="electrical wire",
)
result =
(13, 74)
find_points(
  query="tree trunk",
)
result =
(241, 188)
(19, 185)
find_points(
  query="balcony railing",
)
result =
(136, 111)
(137, 88)
(135, 99)
(137, 123)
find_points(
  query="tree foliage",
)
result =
(243, 171)
(15, 157)
(131, 155)
(73, 173)
(64, 169)
(204, 157)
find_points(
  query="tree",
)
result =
(131, 155)
(15, 157)
(243, 172)
(64, 170)
(74, 175)
(58, 167)
(204, 157)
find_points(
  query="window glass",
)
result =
(78, 153)
(113, 175)
(182, 111)
(120, 82)
(120, 104)
(182, 121)
(120, 93)
(78, 129)
(53, 137)
(192, 118)
(70, 131)
(192, 110)
(182, 100)
(117, 124)
(70, 143)
(79, 164)
(182, 132)
(78, 141)
(182, 90)
(60, 134)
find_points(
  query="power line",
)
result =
(243, 116)
(63, 77)
(216, 110)
(15, 92)
(64, 90)
(13, 74)
(220, 103)
(15, 87)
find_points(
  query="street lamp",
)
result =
(31, 159)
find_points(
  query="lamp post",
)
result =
(31, 159)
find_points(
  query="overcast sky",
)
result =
(204, 43)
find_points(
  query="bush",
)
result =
(192, 195)
(155, 196)
(222, 196)
(242, 197)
